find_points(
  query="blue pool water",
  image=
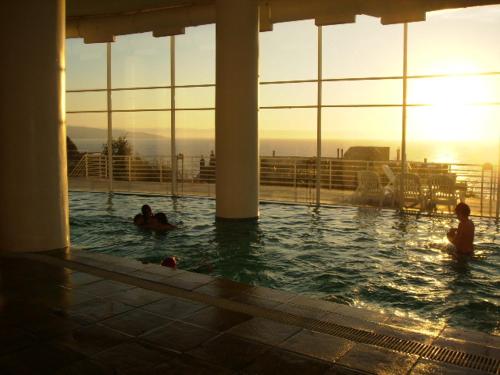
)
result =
(377, 259)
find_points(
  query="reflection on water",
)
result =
(379, 259)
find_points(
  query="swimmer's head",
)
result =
(463, 210)
(161, 217)
(146, 210)
(169, 262)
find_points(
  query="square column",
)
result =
(33, 172)
(236, 112)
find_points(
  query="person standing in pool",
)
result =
(463, 236)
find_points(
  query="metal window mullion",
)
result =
(498, 182)
(403, 122)
(110, 117)
(318, 118)
(173, 156)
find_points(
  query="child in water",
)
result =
(463, 236)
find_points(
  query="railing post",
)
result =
(161, 170)
(295, 178)
(490, 204)
(498, 190)
(330, 174)
(129, 168)
(87, 165)
(482, 191)
(100, 168)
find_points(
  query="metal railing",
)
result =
(287, 179)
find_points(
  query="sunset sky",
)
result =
(453, 41)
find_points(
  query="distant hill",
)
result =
(82, 132)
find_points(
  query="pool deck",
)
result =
(271, 193)
(75, 312)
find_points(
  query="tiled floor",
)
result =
(79, 313)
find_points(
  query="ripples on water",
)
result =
(378, 259)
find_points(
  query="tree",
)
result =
(119, 147)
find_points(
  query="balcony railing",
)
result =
(294, 179)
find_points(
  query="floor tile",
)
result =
(277, 361)
(81, 278)
(174, 308)
(86, 367)
(39, 359)
(377, 360)
(363, 314)
(229, 351)
(471, 336)
(178, 336)
(188, 280)
(318, 345)
(104, 288)
(223, 288)
(13, 338)
(255, 301)
(271, 294)
(265, 331)
(216, 319)
(187, 365)
(92, 339)
(131, 358)
(428, 367)
(349, 321)
(136, 322)
(318, 304)
(137, 296)
(96, 309)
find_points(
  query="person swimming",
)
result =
(161, 222)
(144, 218)
(463, 236)
(170, 262)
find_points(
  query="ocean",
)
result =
(450, 152)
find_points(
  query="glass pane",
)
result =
(364, 48)
(343, 128)
(287, 132)
(141, 99)
(363, 92)
(201, 97)
(85, 65)
(288, 94)
(87, 130)
(195, 143)
(454, 90)
(140, 60)
(195, 132)
(85, 101)
(289, 52)
(454, 134)
(452, 41)
(195, 56)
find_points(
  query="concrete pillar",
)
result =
(236, 114)
(33, 171)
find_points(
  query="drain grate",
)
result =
(432, 352)
(427, 351)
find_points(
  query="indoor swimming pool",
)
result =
(375, 259)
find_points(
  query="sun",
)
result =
(453, 113)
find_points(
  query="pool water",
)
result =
(376, 259)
